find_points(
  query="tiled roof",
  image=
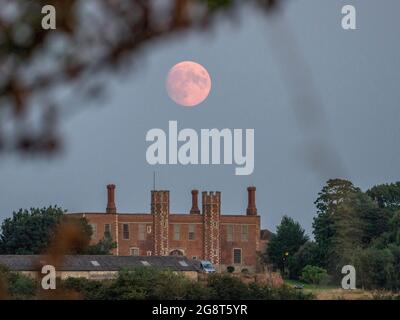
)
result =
(99, 263)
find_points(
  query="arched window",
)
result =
(176, 252)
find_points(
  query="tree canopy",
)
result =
(49, 231)
(290, 236)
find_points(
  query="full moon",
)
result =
(188, 83)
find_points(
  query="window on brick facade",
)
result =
(237, 256)
(107, 230)
(229, 232)
(142, 232)
(125, 233)
(177, 232)
(135, 252)
(94, 230)
(245, 232)
(149, 253)
(192, 234)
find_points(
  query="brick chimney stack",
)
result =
(251, 207)
(111, 199)
(195, 207)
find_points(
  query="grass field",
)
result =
(330, 292)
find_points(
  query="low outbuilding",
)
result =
(98, 267)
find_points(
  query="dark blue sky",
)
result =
(355, 78)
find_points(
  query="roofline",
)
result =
(36, 261)
(150, 214)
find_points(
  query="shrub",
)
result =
(197, 291)
(245, 270)
(21, 287)
(314, 275)
(308, 254)
(89, 289)
(230, 269)
(263, 292)
(226, 287)
(375, 268)
(150, 283)
(16, 286)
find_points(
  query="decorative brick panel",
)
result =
(160, 212)
(211, 216)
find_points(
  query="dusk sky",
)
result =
(355, 77)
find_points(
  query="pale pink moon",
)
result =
(188, 83)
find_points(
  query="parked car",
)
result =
(298, 286)
(207, 266)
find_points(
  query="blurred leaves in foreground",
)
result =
(92, 37)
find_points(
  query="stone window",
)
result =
(135, 252)
(191, 234)
(245, 232)
(107, 230)
(237, 256)
(125, 231)
(94, 230)
(142, 232)
(229, 232)
(177, 232)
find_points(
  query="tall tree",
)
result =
(332, 195)
(386, 195)
(348, 233)
(290, 236)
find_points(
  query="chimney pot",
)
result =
(111, 208)
(195, 207)
(251, 207)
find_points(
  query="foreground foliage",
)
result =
(150, 283)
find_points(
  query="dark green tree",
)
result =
(28, 232)
(308, 254)
(34, 231)
(375, 268)
(103, 247)
(375, 220)
(386, 195)
(348, 232)
(335, 192)
(290, 236)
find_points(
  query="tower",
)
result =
(160, 212)
(211, 207)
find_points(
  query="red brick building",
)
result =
(206, 234)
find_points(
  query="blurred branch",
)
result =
(92, 36)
